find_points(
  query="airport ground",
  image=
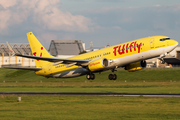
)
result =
(88, 108)
(91, 107)
(144, 81)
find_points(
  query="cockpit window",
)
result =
(163, 39)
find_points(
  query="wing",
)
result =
(54, 59)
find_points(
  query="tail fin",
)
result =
(37, 49)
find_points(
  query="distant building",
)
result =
(66, 48)
(171, 60)
(6, 59)
(91, 48)
(59, 48)
(173, 57)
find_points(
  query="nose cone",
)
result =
(175, 42)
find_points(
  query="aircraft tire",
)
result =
(92, 76)
(110, 76)
(88, 76)
(162, 62)
(114, 77)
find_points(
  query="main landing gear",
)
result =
(112, 76)
(90, 76)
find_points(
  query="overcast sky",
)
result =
(100, 21)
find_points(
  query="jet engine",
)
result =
(98, 64)
(136, 66)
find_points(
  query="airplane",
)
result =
(130, 55)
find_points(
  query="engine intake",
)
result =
(136, 66)
(98, 64)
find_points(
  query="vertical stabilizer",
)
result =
(37, 49)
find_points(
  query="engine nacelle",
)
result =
(136, 66)
(98, 64)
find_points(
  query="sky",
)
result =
(100, 21)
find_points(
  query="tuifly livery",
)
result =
(130, 55)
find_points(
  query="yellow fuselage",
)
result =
(119, 55)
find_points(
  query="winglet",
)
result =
(10, 48)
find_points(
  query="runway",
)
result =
(96, 94)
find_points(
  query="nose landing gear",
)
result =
(162, 61)
(161, 58)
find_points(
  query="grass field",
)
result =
(159, 75)
(144, 81)
(90, 107)
(149, 75)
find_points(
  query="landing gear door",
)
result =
(152, 43)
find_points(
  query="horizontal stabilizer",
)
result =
(21, 67)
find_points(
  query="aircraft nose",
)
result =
(174, 42)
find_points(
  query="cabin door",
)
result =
(152, 43)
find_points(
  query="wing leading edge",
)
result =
(54, 59)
